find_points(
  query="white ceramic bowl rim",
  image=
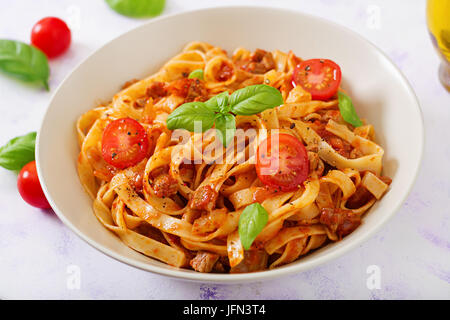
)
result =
(246, 277)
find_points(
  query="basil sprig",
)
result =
(137, 8)
(196, 74)
(18, 152)
(251, 222)
(347, 110)
(24, 62)
(221, 109)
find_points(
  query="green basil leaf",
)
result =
(347, 110)
(225, 128)
(219, 103)
(251, 222)
(137, 8)
(185, 116)
(18, 152)
(24, 62)
(255, 99)
(196, 74)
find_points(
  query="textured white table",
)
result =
(37, 252)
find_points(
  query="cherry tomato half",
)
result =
(51, 35)
(30, 188)
(320, 77)
(124, 143)
(282, 162)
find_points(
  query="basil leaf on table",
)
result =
(185, 116)
(255, 99)
(225, 128)
(347, 110)
(24, 62)
(196, 74)
(251, 222)
(18, 152)
(137, 8)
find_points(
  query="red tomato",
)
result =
(51, 35)
(124, 143)
(320, 77)
(30, 188)
(282, 162)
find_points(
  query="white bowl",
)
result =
(380, 93)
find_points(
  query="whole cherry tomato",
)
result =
(30, 188)
(51, 35)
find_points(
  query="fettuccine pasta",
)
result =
(182, 207)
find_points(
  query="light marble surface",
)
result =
(412, 251)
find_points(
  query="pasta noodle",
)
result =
(182, 207)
